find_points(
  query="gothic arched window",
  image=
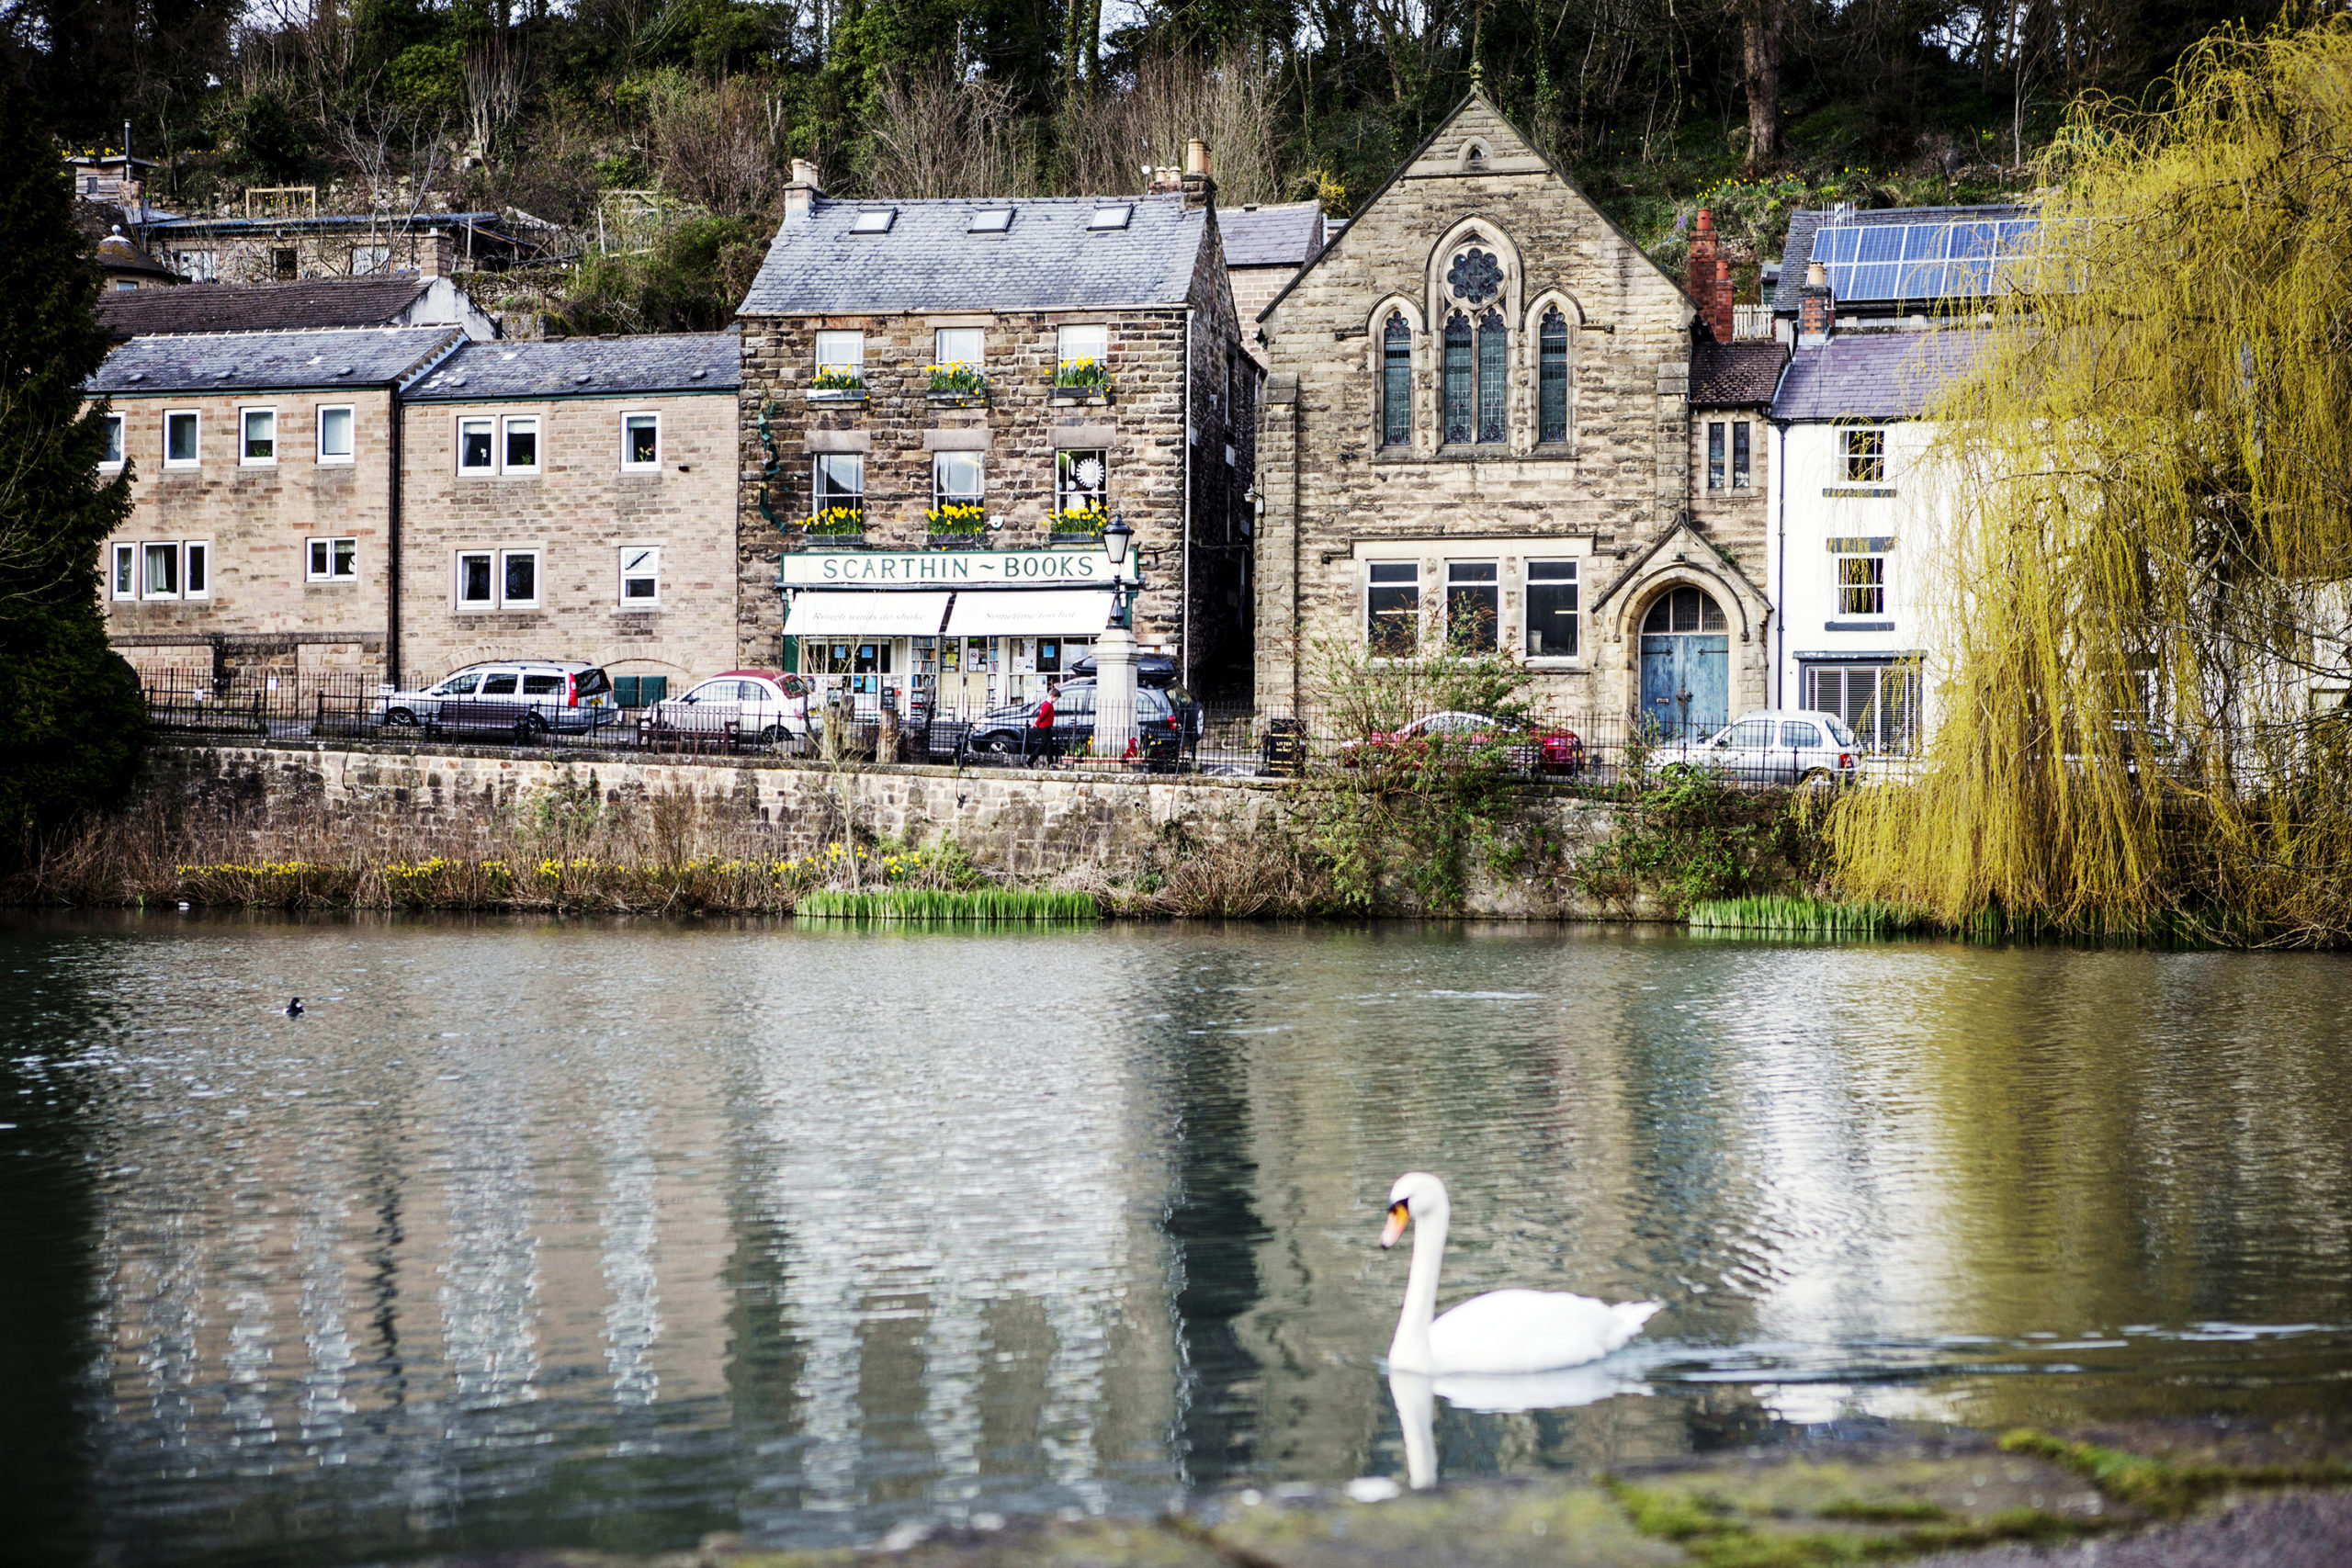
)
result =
(1491, 382)
(1552, 378)
(1461, 414)
(1397, 382)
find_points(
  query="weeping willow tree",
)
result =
(2139, 705)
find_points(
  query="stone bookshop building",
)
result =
(944, 401)
(1479, 431)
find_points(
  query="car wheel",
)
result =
(995, 746)
(1675, 773)
(401, 719)
(529, 728)
(1819, 782)
(771, 735)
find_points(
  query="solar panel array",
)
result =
(1919, 261)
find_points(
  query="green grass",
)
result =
(2163, 1486)
(924, 905)
(1783, 916)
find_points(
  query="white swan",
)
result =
(1502, 1331)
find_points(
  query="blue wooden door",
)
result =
(1685, 683)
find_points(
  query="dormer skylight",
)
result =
(989, 220)
(1110, 216)
(874, 220)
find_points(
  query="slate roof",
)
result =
(261, 307)
(1798, 252)
(587, 367)
(1873, 375)
(1271, 236)
(1735, 375)
(255, 362)
(1048, 260)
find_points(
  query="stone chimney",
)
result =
(1816, 308)
(800, 196)
(436, 255)
(1200, 190)
(1709, 278)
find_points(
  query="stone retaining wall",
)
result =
(1012, 821)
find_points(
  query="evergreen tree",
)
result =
(72, 718)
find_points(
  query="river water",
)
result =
(615, 1234)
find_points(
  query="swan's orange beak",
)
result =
(1398, 1216)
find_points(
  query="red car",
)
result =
(1557, 752)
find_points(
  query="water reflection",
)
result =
(614, 1235)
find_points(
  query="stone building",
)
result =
(385, 300)
(287, 246)
(1264, 248)
(1478, 429)
(263, 536)
(573, 498)
(942, 401)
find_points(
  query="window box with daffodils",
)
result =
(958, 523)
(957, 385)
(836, 527)
(838, 384)
(1083, 380)
(1077, 525)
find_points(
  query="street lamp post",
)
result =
(1114, 652)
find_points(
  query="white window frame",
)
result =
(1070, 352)
(820, 500)
(1882, 588)
(246, 417)
(147, 548)
(477, 470)
(941, 461)
(632, 468)
(1470, 582)
(506, 431)
(457, 581)
(191, 552)
(640, 563)
(122, 581)
(195, 419)
(1413, 616)
(1529, 584)
(118, 438)
(313, 550)
(940, 354)
(830, 345)
(539, 579)
(198, 266)
(1849, 440)
(325, 458)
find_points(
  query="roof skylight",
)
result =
(989, 220)
(874, 220)
(1110, 216)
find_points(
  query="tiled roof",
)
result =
(1271, 236)
(1048, 260)
(1798, 252)
(588, 367)
(1735, 375)
(1873, 375)
(261, 307)
(248, 361)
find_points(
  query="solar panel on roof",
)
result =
(1886, 262)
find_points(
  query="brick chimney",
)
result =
(1200, 190)
(800, 196)
(1709, 278)
(436, 255)
(1816, 308)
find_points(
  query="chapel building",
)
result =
(1477, 432)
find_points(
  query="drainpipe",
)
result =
(393, 545)
(1781, 549)
(1185, 609)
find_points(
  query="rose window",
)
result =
(1476, 276)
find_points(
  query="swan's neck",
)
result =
(1410, 1348)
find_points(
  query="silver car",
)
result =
(536, 693)
(765, 706)
(1771, 746)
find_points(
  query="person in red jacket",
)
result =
(1041, 730)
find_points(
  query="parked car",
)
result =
(1554, 750)
(525, 696)
(1153, 670)
(1784, 746)
(1005, 731)
(765, 706)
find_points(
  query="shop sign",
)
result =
(948, 568)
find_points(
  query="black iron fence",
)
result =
(1160, 736)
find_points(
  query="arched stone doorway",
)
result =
(1686, 664)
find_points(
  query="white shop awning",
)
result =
(825, 612)
(1021, 611)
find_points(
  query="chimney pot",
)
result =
(800, 196)
(1200, 189)
(1196, 157)
(1816, 308)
